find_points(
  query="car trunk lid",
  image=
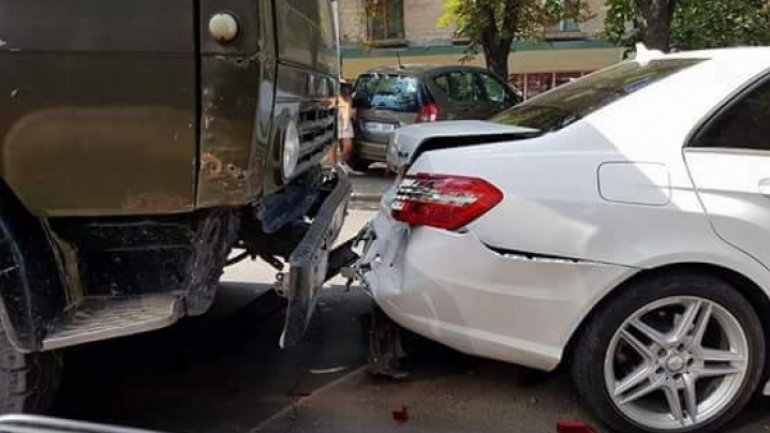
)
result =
(417, 139)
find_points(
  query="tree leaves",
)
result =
(721, 23)
(493, 25)
(696, 24)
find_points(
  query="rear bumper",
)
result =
(451, 288)
(369, 151)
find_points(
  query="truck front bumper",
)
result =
(314, 261)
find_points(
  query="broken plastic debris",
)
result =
(573, 427)
(401, 416)
(327, 370)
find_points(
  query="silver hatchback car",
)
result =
(388, 98)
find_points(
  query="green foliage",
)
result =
(623, 24)
(485, 22)
(721, 23)
(696, 24)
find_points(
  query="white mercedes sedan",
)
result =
(619, 224)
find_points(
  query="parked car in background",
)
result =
(388, 98)
(618, 224)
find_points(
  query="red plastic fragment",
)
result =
(401, 416)
(573, 427)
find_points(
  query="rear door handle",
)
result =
(764, 187)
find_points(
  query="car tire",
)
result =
(605, 355)
(28, 382)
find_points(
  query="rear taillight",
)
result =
(447, 202)
(428, 113)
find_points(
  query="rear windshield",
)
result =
(387, 92)
(566, 104)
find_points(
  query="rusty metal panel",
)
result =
(237, 80)
(98, 105)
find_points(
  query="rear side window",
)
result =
(494, 91)
(459, 86)
(571, 102)
(387, 92)
(744, 124)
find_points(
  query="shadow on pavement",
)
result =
(212, 374)
(224, 373)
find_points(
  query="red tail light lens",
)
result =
(428, 113)
(447, 202)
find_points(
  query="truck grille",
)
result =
(317, 131)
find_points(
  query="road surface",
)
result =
(224, 373)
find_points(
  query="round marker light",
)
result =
(290, 157)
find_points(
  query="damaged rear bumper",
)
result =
(451, 288)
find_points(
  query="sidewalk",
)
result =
(369, 187)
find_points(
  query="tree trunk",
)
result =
(497, 57)
(657, 15)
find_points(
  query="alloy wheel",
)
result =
(676, 362)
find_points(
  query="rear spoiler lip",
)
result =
(439, 142)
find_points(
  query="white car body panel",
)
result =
(584, 209)
(482, 302)
(643, 183)
(737, 200)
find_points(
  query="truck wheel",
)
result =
(679, 352)
(28, 382)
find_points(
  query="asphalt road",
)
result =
(368, 187)
(224, 373)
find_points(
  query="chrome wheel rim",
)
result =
(676, 362)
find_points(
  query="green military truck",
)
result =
(141, 142)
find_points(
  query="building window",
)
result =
(534, 83)
(565, 77)
(571, 24)
(517, 82)
(385, 20)
(538, 83)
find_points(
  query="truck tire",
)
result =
(28, 382)
(643, 353)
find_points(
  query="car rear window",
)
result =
(566, 104)
(391, 92)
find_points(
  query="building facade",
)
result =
(408, 30)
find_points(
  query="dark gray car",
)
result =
(390, 97)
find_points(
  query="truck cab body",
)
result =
(139, 144)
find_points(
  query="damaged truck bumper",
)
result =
(314, 261)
